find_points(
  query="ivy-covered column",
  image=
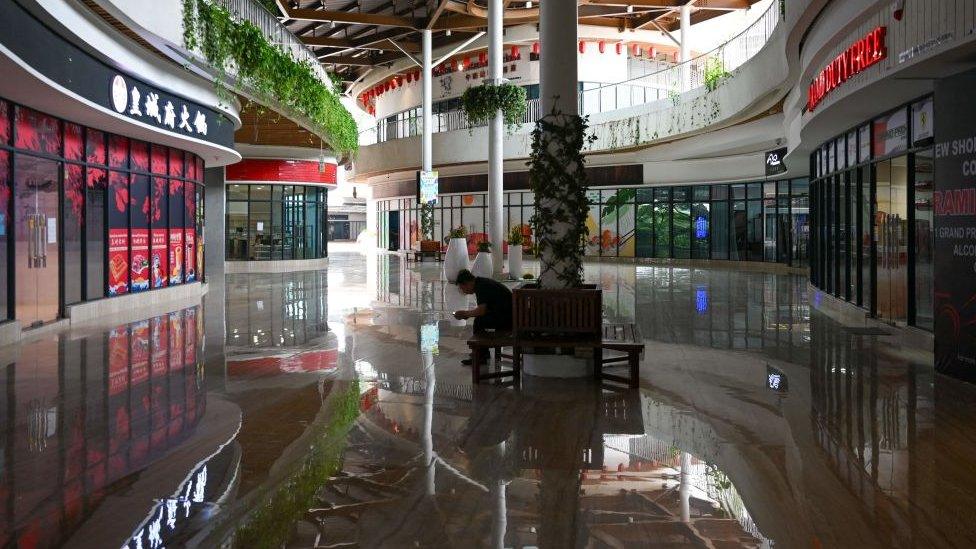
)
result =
(556, 168)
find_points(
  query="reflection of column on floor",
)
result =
(430, 377)
(499, 523)
(684, 489)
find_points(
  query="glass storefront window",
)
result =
(281, 222)
(924, 240)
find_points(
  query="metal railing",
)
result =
(276, 33)
(668, 83)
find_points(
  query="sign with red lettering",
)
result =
(864, 53)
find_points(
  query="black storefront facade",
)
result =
(90, 211)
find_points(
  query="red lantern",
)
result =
(515, 53)
(582, 46)
(619, 48)
(482, 58)
(535, 48)
(635, 50)
(651, 52)
(399, 80)
(409, 77)
(602, 46)
(416, 75)
(467, 63)
(386, 87)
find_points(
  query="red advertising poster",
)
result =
(159, 336)
(191, 270)
(158, 259)
(140, 260)
(175, 257)
(118, 261)
(190, 338)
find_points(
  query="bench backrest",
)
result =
(430, 246)
(576, 312)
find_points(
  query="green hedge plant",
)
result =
(480, 104)
(271, 71)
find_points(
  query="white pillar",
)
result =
(558, 82)
(425, 81)
(496, 167)
(558, 37)
(685, 52)
(684, 488)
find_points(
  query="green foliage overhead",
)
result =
(272, 72)
(715, 72)
(481, 102)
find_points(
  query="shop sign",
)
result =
(864, 53)
(427, 187)
(775, 163)
(923, 121)
(890, 133)
(776, 380)
(954, 209)
(143, 103)
(924, 47)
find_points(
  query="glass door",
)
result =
(891, 233)
(36, 191)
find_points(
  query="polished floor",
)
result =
(330, 409)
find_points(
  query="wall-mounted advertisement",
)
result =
(139, 233)
(890, 133)
(428, 187)
(175, 234)
(190, 232)
(954, 209)
(923, 122)
(118, 234)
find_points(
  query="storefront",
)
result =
(871, 197)
(277, 210)
(755, 221)
(101, 171)
(88, 214)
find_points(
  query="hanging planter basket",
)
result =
(480, 104)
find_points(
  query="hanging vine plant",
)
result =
(557, 176)
(481, 102)
(272, 72)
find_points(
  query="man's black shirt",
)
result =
(497, 299)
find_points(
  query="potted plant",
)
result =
(515, 242)
(483, 263)
(457, 253)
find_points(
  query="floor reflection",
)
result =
(330, 408)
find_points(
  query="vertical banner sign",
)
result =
(159, 257)
(118, 234)
(954, 206)
(175, 232)
(139, 232)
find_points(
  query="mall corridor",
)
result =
(333, 409)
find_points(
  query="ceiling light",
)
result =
(528, 5)
(448, 33)
(332, 24)
(630, 9)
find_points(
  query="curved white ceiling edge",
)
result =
(23, 84)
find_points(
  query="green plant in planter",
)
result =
(528, 276)
(515, 236)
(481, 102)
(458, 232)
(269, 70)
(715, 72)
(484, 246)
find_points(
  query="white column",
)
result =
(425, 81)
(685, 52)
(684, 488)
(558, 82)
(496, 167)
(557, 57)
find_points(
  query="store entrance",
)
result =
(36, 186)
(394, 226)
(891, 230)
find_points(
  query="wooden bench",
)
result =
(428, 248)
(563, 319)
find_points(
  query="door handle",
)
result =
(42, 241)
(30, 241)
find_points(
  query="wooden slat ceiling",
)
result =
(352, 36)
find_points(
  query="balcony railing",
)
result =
(668, 83)
(276, 33)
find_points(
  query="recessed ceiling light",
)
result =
(448, 33)
(528, 5)
(630, 9)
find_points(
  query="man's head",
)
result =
(465, 281)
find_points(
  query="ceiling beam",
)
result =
(326, 16)
(432, 20)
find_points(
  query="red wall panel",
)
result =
(291, 171)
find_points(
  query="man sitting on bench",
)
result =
(494, 310)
